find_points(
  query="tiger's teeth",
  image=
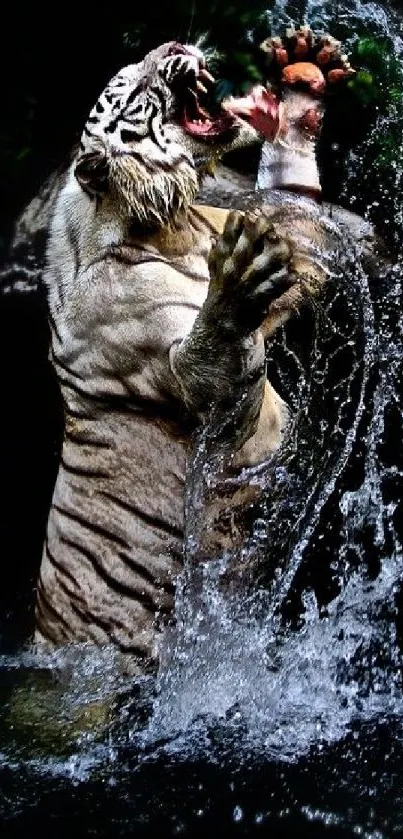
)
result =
(201, 87)
(206, 75)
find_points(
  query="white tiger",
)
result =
(159, 310)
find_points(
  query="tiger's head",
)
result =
(148, 132)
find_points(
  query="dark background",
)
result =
(55, 60)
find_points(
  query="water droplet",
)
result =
(237, 813)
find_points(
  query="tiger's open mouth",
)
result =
(198, 119)
(206, 121)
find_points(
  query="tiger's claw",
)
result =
(249, 269)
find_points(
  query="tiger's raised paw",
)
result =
(302, 56)
(249, 268)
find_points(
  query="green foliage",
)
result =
(376, 178)
(379, 80)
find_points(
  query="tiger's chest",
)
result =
(113, 329)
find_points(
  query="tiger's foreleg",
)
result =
(222, 361)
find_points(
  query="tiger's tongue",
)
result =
(261, 108)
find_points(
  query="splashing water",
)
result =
(370, 168)
(331, 511)
(296, 687)
(343, 18)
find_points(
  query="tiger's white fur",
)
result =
(150, 327)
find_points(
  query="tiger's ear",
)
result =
(92, 172)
